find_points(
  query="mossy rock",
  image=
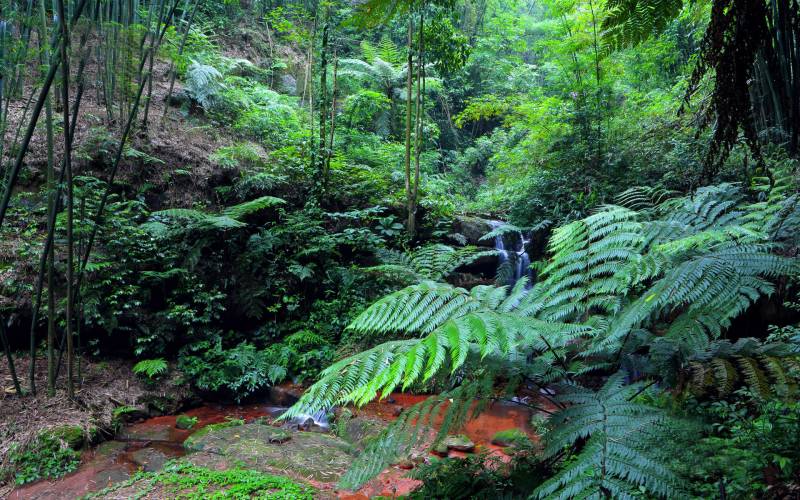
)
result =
(311, 455)
(72, 435)
(459, 442)
(359, 431)
(185, 422)
(191, 441)
(511, 438)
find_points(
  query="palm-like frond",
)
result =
(665, 279)
(629, 22)
(430, 262)
(614, 461)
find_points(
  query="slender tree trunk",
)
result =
(154, 43)
(172, 71)
(13, 174)
(49, 255)
(9, 358)
(65, 76)
(333, 116)
(323, 110)
(420, 107)
(409, 85)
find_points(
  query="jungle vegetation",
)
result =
(248, 192)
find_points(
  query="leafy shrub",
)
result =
(47, 457)
(150, 367)
(274, 123)
(185, 422)
(368, 111)
(204, 84)
(241, 370)
(751, 443)
(478, 476)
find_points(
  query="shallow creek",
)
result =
(148, 444)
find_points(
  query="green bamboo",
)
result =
(23, 149)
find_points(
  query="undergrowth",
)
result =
(181, 480)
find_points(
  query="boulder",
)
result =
(284, 395)
(458, 443)
(72, 435)
(310, 455)
(360, 430)
(473, 228)
(511, 438)
(149, 459)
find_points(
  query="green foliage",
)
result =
(751, 442)
(241, 370)
(477, 476)
(428, 263)
(631, 22)
(617, 284)
(617, 436)
(203, 84)
(194, 482)
(765, 369)
(46, 457)
(151, 367)
(185, 422)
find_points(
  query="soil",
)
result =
(314, 458)
(101, 387)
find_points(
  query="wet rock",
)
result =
(126, 414)
(284, 395)
(440, 449)
(149, 459)
(311, 455)
(458, 443)
(288, 85)
(472, 229)
(147, 432)
(280, 436)
(359, 430)
(511, 438)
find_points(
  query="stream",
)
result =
(146, 445)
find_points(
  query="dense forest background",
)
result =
(226, 196)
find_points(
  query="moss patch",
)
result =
(72, 435)
(185, 422)
(181, 479)
(511, 438)
(310, 455)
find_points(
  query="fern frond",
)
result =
(616, 456)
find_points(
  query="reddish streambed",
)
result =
(147, 444)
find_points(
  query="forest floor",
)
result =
(102, 387)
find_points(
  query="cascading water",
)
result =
(513, 252)
(318, 419)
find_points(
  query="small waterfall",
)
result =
(514, 252)
(319, 419)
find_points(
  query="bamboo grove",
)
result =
(118, 41)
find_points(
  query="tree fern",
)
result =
(766, 369)
(614, 460)
(629, 22)
(150, 367)
(203, 83)
(646, 288)
(431, 262)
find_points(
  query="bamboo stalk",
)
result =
(23, 149)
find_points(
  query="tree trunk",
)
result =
(410, 224)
